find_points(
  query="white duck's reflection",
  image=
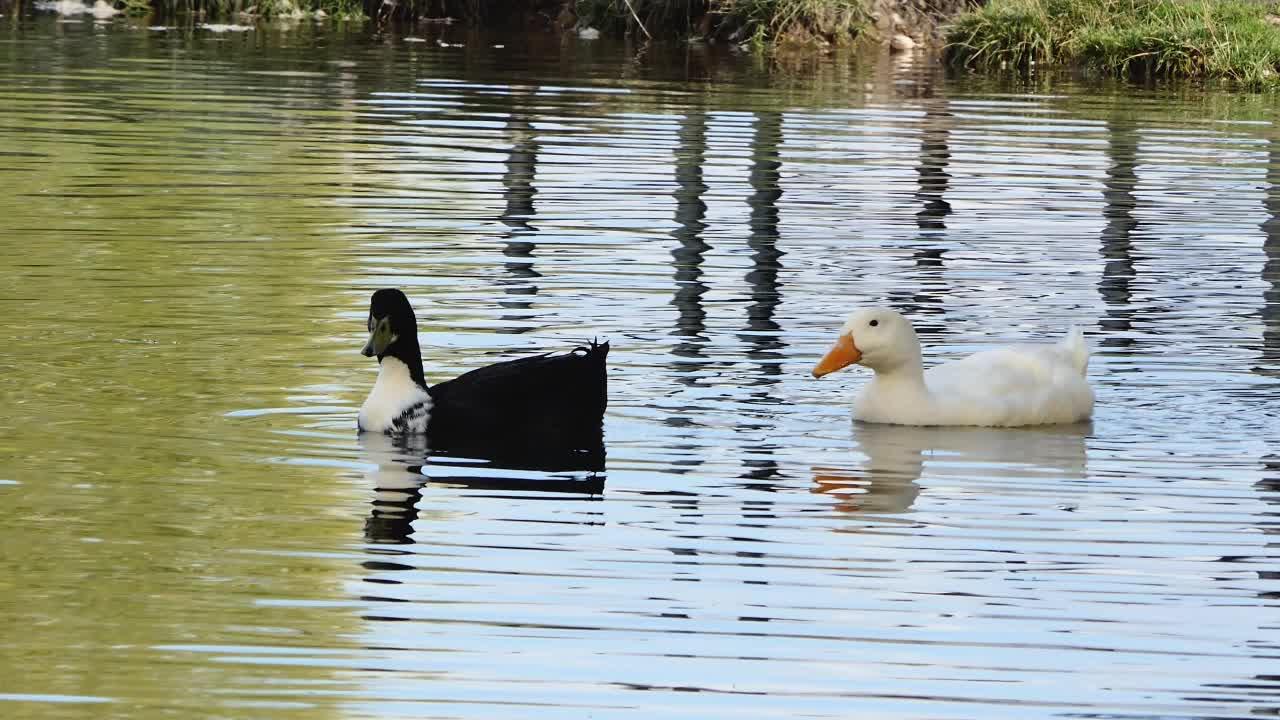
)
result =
(400, 468)
(898, 455)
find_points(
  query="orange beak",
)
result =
(843, 354)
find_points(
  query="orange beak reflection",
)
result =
(843, 354)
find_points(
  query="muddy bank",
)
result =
(920, 20)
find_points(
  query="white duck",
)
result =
(1021, 385)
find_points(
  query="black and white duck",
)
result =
(533, 402)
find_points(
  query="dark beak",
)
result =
(379, 339)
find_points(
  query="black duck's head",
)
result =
(393, 329)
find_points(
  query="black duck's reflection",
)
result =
(896, 455)
(402, 467)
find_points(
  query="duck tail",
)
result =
(595, 349)
(592, 376)
(1078, 348)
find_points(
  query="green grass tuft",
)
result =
(1237, 40)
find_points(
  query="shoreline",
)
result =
(1231, 41)
(761, 25)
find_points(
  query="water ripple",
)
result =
(195, 223)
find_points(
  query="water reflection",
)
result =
(982, 594)
(1268, 488)
(518, 191)
(763, 333)
(688, 255)
(1118, 272)
(1271, 268)
(396, 485)
(401, 468)
(896, 458)
(935, 156)
(1262, 688)
(926, 294)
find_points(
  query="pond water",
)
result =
(191, 224)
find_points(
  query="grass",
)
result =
(1236, 40)
(757, 22)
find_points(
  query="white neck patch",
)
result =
(392, 394)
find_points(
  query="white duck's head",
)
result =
(878, 338)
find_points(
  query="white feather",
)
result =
(396, 403)
(1014, 386)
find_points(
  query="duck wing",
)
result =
(1020, 385)
(539, 401)
(1018, 368)
(991, 373)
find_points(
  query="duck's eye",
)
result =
(875, 323)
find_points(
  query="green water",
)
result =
(191, 224)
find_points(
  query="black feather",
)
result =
(544, 403)
(539, 402)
